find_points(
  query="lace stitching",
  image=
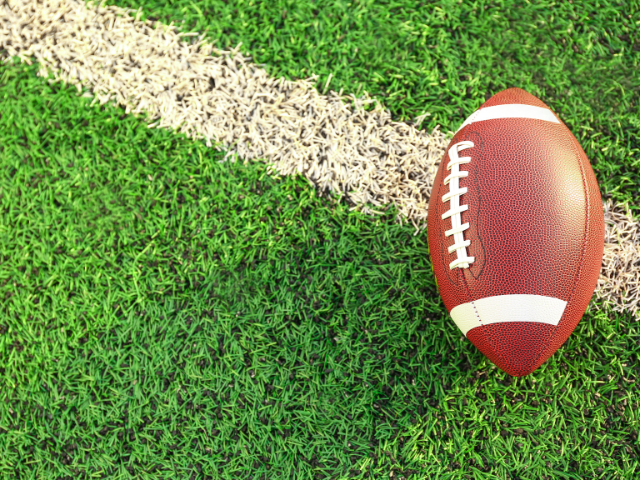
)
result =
(453, 196)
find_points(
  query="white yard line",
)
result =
(229, 101)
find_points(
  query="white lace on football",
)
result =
(457, 228)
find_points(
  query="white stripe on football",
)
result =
(508, 308)
(513, 110)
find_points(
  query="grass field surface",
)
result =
(174, 310)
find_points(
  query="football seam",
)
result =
(488, 341)
(466, 287)
(582, 253)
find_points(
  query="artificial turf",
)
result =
(165, 315)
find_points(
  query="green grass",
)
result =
(169, 316)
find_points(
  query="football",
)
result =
(515, 230)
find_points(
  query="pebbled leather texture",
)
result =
(536, 227)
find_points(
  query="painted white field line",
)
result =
(229, 101)
(619, 282)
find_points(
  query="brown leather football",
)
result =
(516, 231)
